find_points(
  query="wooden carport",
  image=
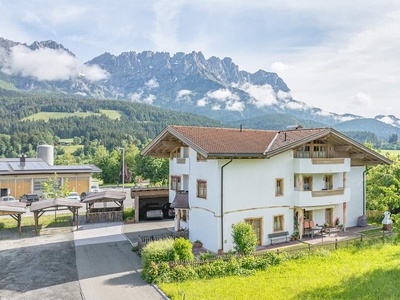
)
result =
(155, 192)
(40, 207)
(105, 214)
(13, 209)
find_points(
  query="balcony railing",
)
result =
(321, 165)
(324, 197)
(325, 193)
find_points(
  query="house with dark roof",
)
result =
(23, 175)
(273, 180)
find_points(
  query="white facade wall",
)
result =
(249, 193)
(354, 180)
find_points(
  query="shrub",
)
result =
(244, 238)
(375, 216)
(129, 213)
(183, 249)
(181, 273)
(157, 251)
(206, 256)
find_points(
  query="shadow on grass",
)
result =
(379, 284)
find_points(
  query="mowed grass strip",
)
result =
(45, 116)
(366, 273)
(45, 221)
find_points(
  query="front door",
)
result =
(256, 224)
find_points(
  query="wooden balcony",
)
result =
(325, 193)
(321, 165)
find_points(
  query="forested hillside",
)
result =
(138, 122)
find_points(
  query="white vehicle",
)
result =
(9, 199)
(74, 196)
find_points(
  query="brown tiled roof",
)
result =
(227, 140)
(290, 137)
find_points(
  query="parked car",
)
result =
(168, 211)
(29, 198)
(153, 211)
(8, 199)
(85, 194)
(74, 196)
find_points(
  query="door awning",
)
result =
(181, 200)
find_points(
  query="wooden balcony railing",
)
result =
(325, 193)
(327, 161)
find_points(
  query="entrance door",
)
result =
(256, 224)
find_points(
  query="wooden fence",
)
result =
(144, 240)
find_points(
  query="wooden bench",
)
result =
(278, 235)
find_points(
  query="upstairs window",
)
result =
(279, 187)
(175, 183)
(307, 183)
(202, 189)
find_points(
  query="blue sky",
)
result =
(341, 56)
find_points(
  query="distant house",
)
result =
(23, 175)
(274, 180)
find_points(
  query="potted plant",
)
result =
(295, 235)
(337, 220)
(198, 244)
(130, 220)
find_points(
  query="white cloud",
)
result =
(202, 102)
(280, 67)
(136, 97)
(48, 64)
(283, 95)
(294, 105)
(216, 107)
(149, 99)
(262, 95)
(223, 95)
(360, 100)
(152, 83)
(184, 95)
(231, 100)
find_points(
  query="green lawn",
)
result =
(392, 152)
(367, 273)
(45, 221)
(112, 114)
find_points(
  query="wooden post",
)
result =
(178, 220)
(301, 182)
(344, 216)
(36, 217)
(344, 180)
(300, 221)
(19, 224)
(136, 205)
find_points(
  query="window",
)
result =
(257, 227)
(175, 183)
(328, 182)
(328, 216)
(279, 187)
(307, 183)
(308, 215)
(201, 188)
(278, 223)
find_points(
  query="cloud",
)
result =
(184, 95)
(231, 100)
(202, 102)
(280, 67)
(152, 83)
(294, 105)
(48, 64)
(138, 97)
(284, 95)
(359, 100)
(216, 107)
(262, 95)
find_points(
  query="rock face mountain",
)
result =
(188, 82)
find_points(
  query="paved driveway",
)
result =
(107, 267)
(42, 267)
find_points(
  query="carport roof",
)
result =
(43, 204)
(12, 207)
(105, 196)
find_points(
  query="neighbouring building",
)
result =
(23, 175)
(274, 180)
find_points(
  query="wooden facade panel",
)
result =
(23, 187)
(78, 184)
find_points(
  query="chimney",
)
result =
(22, 161)
(241, 128)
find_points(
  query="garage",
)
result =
(146, 198)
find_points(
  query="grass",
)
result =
(70, 148)
(7, 86)
(391, 152)
(353, 273)
(45, 116)
(45, 221)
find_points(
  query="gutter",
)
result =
(222, 203)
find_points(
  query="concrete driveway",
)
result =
(95, 262)
(156, 227)
(107, 267)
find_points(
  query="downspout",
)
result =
(222, 203)
(364, 193)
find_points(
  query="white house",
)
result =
(271, 179)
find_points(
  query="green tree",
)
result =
(53, 187)
(244, 238)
